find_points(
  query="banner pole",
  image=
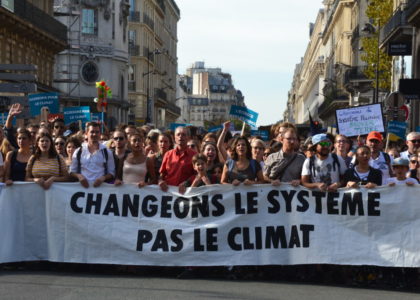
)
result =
(243, 129)
(387, 142)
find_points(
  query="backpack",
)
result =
(79, 155)
(336, 163)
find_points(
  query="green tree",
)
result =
(379, 12)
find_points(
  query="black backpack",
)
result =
(79, 155)
(336, 164)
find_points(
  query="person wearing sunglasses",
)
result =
(324, 170)
(59, 143)
(413, 144)
(120, 150)
(58, 128)
(414, 166)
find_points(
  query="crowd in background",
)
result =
(52, 152)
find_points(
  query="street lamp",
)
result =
(149, 112)
(369, 28)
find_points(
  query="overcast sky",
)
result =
(258, 42)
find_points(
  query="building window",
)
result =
(89, 21)
(131, 37)
(132, 73)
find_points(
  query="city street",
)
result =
(77, 285)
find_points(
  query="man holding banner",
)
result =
(92, 162)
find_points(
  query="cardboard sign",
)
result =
(245, 114)
(38, 101)
(360, 120)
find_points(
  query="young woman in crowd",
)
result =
(342, 147)
(134, 168)
(152, 142)
(258, 148)
(362, 173)
(16, 160)
(241, 168)
(59, 143)
(46, 166)
(70, 146)
(209, 150)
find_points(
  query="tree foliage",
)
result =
(379, 12)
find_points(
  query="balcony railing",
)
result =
(356, 74)
(148, 21)
(134, 50)
(412, 7)
(173, 108)
(331, 103)
(40, 19)
(399, 19)
(161, 94)
(134, 16)
(132, 86)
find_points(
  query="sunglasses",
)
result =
(191, 146)
(324, 144)
(414, 161)
(118, 138)
(415, 141)
(59, 143)
(58, 126)
(266, 154)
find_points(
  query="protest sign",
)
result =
(360, 120)
(245, 114)
(262, 133)
(211, 225)
(96, 117)
(397, 130)
(38, 101)
(3, 118)
(75, 114)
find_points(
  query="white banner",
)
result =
(216, 225)
(360, 120)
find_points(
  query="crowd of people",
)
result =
(49, 152)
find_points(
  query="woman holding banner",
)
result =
(16, 160)
(241, 168)
(46, 166)
(136, 165)
(362, 173)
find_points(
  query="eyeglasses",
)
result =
(324, 144)
(414, 162)
(191, 145)
(266, 154)
(415, 141)
(58, 126)
(118, 138)
(374, 141)
(59, 143)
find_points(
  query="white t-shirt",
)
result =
(396, 181)
(324, 170)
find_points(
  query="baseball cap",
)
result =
(400, 162)
(319, 138)
(374, 135)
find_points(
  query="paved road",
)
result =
(59, 285)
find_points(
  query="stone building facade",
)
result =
(152, 39)
(205, 96)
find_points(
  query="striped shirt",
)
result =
(47, 167)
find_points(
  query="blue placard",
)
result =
(96, 117)
(242, 113)
(173, 126)
(418, 129)
(75, 114)
(397, 128)
(3, 118)
(37, 101)
(262, 133)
